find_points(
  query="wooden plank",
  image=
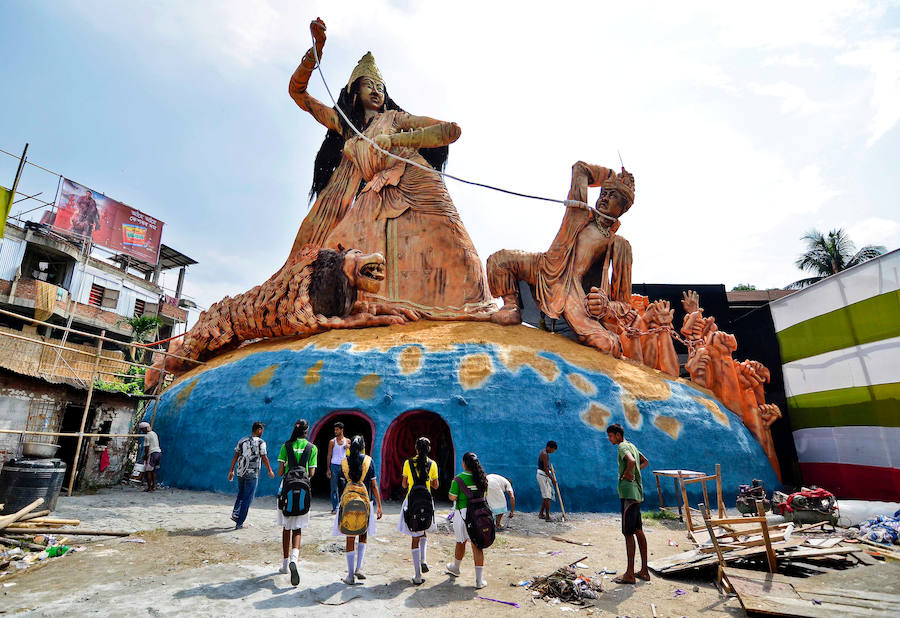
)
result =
(719, 500)
(694, 558)
(824, 542)
(770, 553)
(779, 595)
(864, 558)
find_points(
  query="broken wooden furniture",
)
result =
(678, 477)
(711, 524)
(684, 482)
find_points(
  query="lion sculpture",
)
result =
(317, 291)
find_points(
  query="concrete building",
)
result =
(44, 387)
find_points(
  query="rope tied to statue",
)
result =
(567, 203)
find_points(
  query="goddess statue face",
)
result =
(371, 93)
(612, 202)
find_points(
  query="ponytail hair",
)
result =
(470, 460)
(301, 428)
(355, 458)
(423, 447)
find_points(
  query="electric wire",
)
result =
(575, 203)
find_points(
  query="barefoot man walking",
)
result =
(631, 493)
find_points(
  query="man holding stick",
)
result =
(631, 494)
(546, 479)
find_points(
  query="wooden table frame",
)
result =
(681, 479)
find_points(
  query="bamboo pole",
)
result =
(60, 531)
(8, 519)
(25, 318)
(84, 415)
(61, 434)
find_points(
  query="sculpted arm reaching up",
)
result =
(326, 116)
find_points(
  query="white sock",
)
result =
(423, 542)
(284, 565)
(479, 572)
(351, 560)
(456, 564)
(417, 562)
(295, 555)
(360, 553)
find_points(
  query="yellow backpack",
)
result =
(355, 510)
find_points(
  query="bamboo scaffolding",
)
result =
(98, 356)
(70, 434)
(25, 318)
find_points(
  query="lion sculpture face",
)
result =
(364, 272)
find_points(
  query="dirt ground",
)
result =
(194, 563)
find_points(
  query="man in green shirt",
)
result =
(631, 494)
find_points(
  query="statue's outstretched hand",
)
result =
(690, 301)
(317, 27)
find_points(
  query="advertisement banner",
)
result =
(111, 224)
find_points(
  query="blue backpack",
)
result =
(295, 490)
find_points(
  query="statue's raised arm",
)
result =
(325, 115)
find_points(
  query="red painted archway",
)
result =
(399, 445)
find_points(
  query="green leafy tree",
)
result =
(143, 328)
(741, 287)
(829, 254)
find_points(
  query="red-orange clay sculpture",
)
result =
(739, 386)
(406, 237)
(586, 236)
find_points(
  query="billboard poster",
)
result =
(111, 224)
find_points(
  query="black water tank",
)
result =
(22, 481)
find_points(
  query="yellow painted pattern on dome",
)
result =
(314, 373)
(641, 382)
(514, 357)
(474, 370)
(596, 416)
(583, 384)
(184, 393)
(632, 414)
(719, 416)
(410, 360)
(263, 377)
(671, 426)
(365, 388)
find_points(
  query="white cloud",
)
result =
(882, 59)
(793, 98)
(875, 231)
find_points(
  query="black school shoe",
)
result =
(295, 575)
(424, 568)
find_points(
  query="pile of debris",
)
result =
(29, 538)
(567, 585)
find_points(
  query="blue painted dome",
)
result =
(502, 392)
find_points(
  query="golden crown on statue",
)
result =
(366, 67)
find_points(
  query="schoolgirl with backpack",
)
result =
(359, 507)
(296, 465)
(472, 517)
(420, 477)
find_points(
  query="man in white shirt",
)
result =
(249, 453)
(337, 451)
(498, 488)
(152, 454)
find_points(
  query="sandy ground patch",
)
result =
(194, 563)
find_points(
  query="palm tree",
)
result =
(829, 254)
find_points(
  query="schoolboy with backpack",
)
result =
(357, 513)
(249, 453)
(297, 465)
(420, 477)
(472, 517)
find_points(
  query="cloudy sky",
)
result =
(744, 127)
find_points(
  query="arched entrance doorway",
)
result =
(399, 445)
(355, 423)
